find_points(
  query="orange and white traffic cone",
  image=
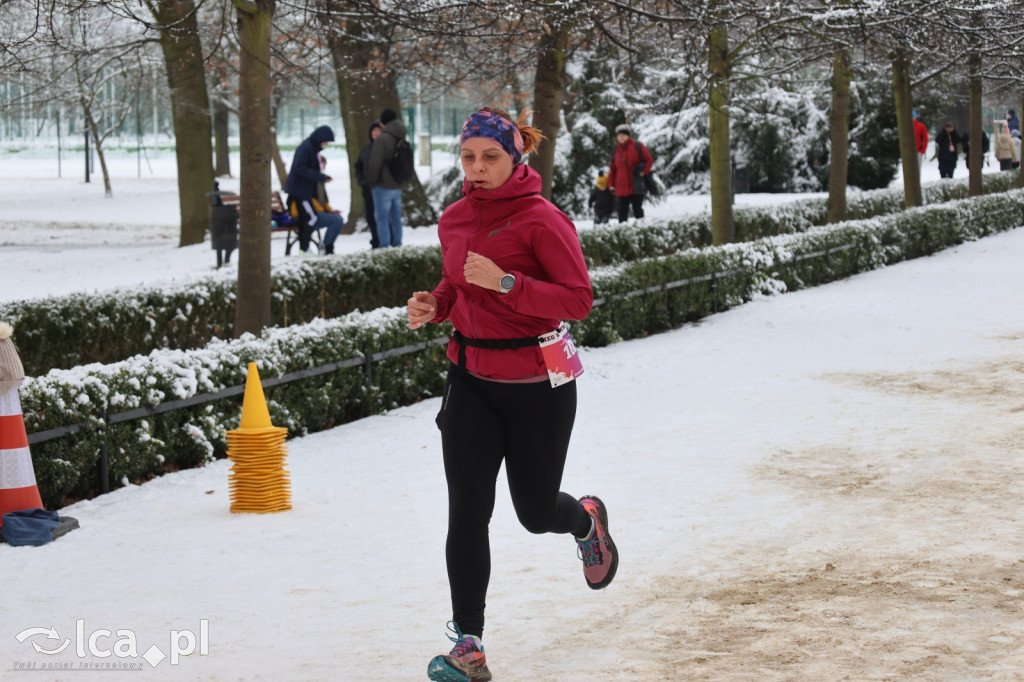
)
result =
(18, 489)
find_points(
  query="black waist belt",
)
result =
(493, 344)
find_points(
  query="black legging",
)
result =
(482, 423)
(634, 200)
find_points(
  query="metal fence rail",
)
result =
(202, 398)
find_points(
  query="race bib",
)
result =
(560, 357)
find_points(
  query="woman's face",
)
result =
(485, 163)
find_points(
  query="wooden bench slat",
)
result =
(277, 206)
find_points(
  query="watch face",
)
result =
(507, 282)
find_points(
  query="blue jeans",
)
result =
(333, 222)
(387, 204)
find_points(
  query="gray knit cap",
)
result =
(12, 373)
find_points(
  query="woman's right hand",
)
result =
(422, 307)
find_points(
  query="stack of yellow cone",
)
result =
(258, 482)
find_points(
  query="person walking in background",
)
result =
(512, 270)
(361, 168)
(946, 151)
(601, 199)
(630, 162)
(303, 177)
(1012, 121)
(326, 217)
(1005, 151)
(386, 189)
(920, 140)
(965, 143)
(1014, 124)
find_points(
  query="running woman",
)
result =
(512, 271)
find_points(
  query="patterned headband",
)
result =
(494, 127)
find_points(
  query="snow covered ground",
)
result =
(818, 486)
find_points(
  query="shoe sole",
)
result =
(440, 670)
(602, 514)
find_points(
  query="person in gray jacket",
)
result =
(387, 192)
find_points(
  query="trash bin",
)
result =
(223, 226)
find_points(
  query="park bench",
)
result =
(281, 220)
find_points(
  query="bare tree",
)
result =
(94, 61)
(368, 48)
(182, 48)
(840, 31)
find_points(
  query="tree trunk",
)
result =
(275, 150)
(252, 312)
(365, 88)
(723, 229)
(190, 111)
(416, 208)
(278, 160)
(548, 94)
(976, 148)
(840, 135)
(222, 155)
(98, 144)
(905, 123)
(363, 94)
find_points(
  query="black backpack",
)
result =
(401, 164)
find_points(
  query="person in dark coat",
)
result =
(945, 149)
(387, 192)
(1012, 121)
(965, 144)
(361, 168)
(630, 162)
(303, 178)
(601, 199)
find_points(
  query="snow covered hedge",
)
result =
(66, 468)
(107, 327)
(613, 244)
(778, 264)
(67, 331)
(145, 447)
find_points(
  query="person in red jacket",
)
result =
(630, 163)
(920, 140)
(513, 269)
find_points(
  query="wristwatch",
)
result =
(506, 283)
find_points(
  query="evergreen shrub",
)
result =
(66, 468)
(722, 277)
(68, 331)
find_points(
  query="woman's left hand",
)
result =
(483, 272)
